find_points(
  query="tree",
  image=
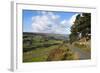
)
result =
(82, 25)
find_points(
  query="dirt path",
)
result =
(81, 53)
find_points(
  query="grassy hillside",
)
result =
(43, 47)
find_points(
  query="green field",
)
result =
(41, 48)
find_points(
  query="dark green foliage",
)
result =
(82, 25)
(73, 37)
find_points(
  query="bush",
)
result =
(61, 54)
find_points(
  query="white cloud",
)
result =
(40, 23)
(53, 16)
(48, 22)
(72, 19)
(63, 22)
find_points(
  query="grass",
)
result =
(47, 54)
(46, 50)
(40, 54)
(84, 47)
(63, 53)
(39, 59)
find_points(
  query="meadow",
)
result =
(41, 47)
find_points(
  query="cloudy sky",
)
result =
(48, 21)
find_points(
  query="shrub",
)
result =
(61, 54)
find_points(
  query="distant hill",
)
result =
(48, 35)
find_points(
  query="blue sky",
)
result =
(48, 21)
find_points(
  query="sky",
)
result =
(48, 21)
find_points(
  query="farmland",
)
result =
(38, 47)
